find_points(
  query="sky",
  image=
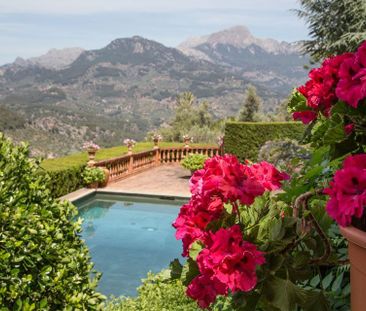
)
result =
(32, 27)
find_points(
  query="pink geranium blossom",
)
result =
(348, 129)
(205, 289)
(352, 84)
(347, 190)
(222, 180)
(305, 117)
(230, 259)
(267, 175)
(320, 90)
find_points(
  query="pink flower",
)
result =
(230, 259)
(305, 117)
(320, 90)
(352, 73)
(347, 191)
(222, 180)
(205, 289)
(348, 129)
(267, 175)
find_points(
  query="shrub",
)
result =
(93, 174)
(64, 181)
(44, 264)
(194, 162)
(284, 154)
(156, 294)
(244, 139)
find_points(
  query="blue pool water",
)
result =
(128, 237)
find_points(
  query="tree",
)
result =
(335, 26)
(251, 106)
(193, 120)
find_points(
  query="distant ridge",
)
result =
(129, 87)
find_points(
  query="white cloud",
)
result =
(105, 6)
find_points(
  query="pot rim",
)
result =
(354, 235)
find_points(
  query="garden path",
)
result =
(170, 180)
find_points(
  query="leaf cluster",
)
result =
(194, 162)
(93, 174)
(335, 27)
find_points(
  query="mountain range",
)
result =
(58, 100)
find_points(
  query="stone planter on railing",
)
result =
(156, 139)
(91, 148)
(91, 156)
(130, 143)
(187, 139)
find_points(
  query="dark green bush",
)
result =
(64, 181)
(244, 139)
(44, 264)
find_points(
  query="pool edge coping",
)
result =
(84, 192)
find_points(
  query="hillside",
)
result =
(128, 88)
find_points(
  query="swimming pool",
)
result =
(127, 237)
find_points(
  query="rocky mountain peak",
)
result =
(54, 59)
(239, 37)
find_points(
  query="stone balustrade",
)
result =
(129, 164)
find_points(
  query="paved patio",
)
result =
(165, 180)
(170, 180)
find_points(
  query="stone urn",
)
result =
(91, 155)
(186, 140)
(357, 256)
(156, 143)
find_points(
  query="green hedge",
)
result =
(64, 181)
(244, 139)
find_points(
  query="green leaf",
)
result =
(189, 271)
(297, 102)
(275, 262)
(316, 300)
(195, 249)
(327, 280)
(276, 230)
(175, 269)
(283, 294)
(338, 282)
(315, 281)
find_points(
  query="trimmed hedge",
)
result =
(244, 139)
(64, 181)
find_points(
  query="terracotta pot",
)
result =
(106, 177)
(93, 185)
(357, 256)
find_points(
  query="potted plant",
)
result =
(187, 139)
(194, 162)
(256, 247)
(92, 176)
(333, 104)
(130, 143)
(156, 139)
(92, 149)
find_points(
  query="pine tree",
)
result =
(251, 106)
(335, 26)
